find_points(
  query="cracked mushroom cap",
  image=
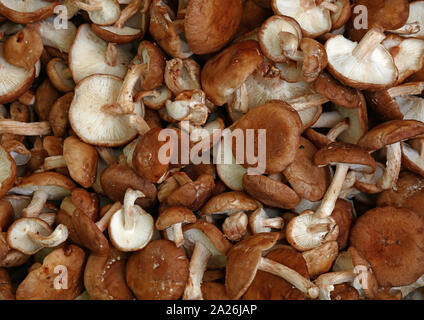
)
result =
(391, 240)
(174, 215)
(54, 184)
(88, 56)
(283, 129)
(91, 122)
(361, 65)
(266, 286)
(158, 272)
(229, 203)
(14, 81)
(243, 261)
(229, 69)
(209, 26)
(270, 192)
(343, 153)
(40, 283)
(8, 172)
(309, 181)
(104, 276)
(390, 132)
(27, 11)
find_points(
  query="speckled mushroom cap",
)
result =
(158, 272)
(229, 202)
(210, 25)
(283, 128)
(266, 286)
(270, 192)
(308, 180)
(104, 276)
(174, 215)
(229, 69)
(243, 262)
(390, 132)
(392, 241)
(344, 153)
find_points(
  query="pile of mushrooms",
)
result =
(103, 123)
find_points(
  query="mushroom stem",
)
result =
(406, 290)
(48, 217)
(329, 6)
(177, 230)
(328, 203)
(106, 155)
(24, 129)
(327, 281)
(57, 237)
(408, 89)
(393, 165)
(38, 201)
(90, 6)
(111, 55)
(197, 268)
(138, 124)
(328, 120)
(368, 44)
(338, 129)
(182, 179)
(240, 99)
(290, 43)
(408, 28)
(274, 223)
(307, 102)
(103, 223)
(297, 56)
(130, 10)
(146, 94)
(319, 227)
(54, 162)
(291, 276)
(130, 197)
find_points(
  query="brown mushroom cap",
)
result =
(214, 291)
(266, 286)
(174, 215)
(27, 11)
(87, 202)
(229, 69)
(270, 192)
(229, 202)
(158, 272)
(58, 116)
(117, 178)
(308, 180)
(6, 214)
(6, 288)
(392, 241)
(59, 75)
(343, 215)
(390, 132)
(40, 283)
(283, 128)
(151, 54)
(344, 291)
(346, 154)
(104, 276)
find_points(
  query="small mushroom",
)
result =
(189, 106)
(59, 75)
(259, 222)
(235, 226)
(320, 260)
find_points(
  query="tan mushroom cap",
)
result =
(174, 215)
(6, 287)
(27, 11)
(58, 116)
(8, 172)
(391, 240)
(117, 178)
(344, 153)
(39, 283)
(89, 234)
(308, 180)
(243, 261)
(193, 194)
(151, 54)
(229, 202)
(229, 69)
(158, 272)
(390, 132)
(283, 128)
(59, 75)
(266, 286)
(270, 192)
(104, 276)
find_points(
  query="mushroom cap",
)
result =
(87, 56)
(54, 38)
(54, 184)
(266, 286)
(174, 215)
(228, 203)
(158, 272)
(8, 172)
(115, 34)
(283, 129)
(415, 15)
(358, 121)
(27, 11)
(104, 276)
(193, 194)
(376, 72)
(209, 26)
(117, 178)
(342, 15)
(90, 122)
(56, 69)
(390, 132)
(391, 240)
(344, 153)
(81, 160)
(87, 202)
(15, 81)
(58, 116)
(344, 291)
(108, 15)
(309, 181)
(151, 54)
(320, 259)
(40, 283)
(6, 214)
(229, 69)
(343, 216)
(243, 261)
(6, 289)
(89, 234)
(214, 291)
